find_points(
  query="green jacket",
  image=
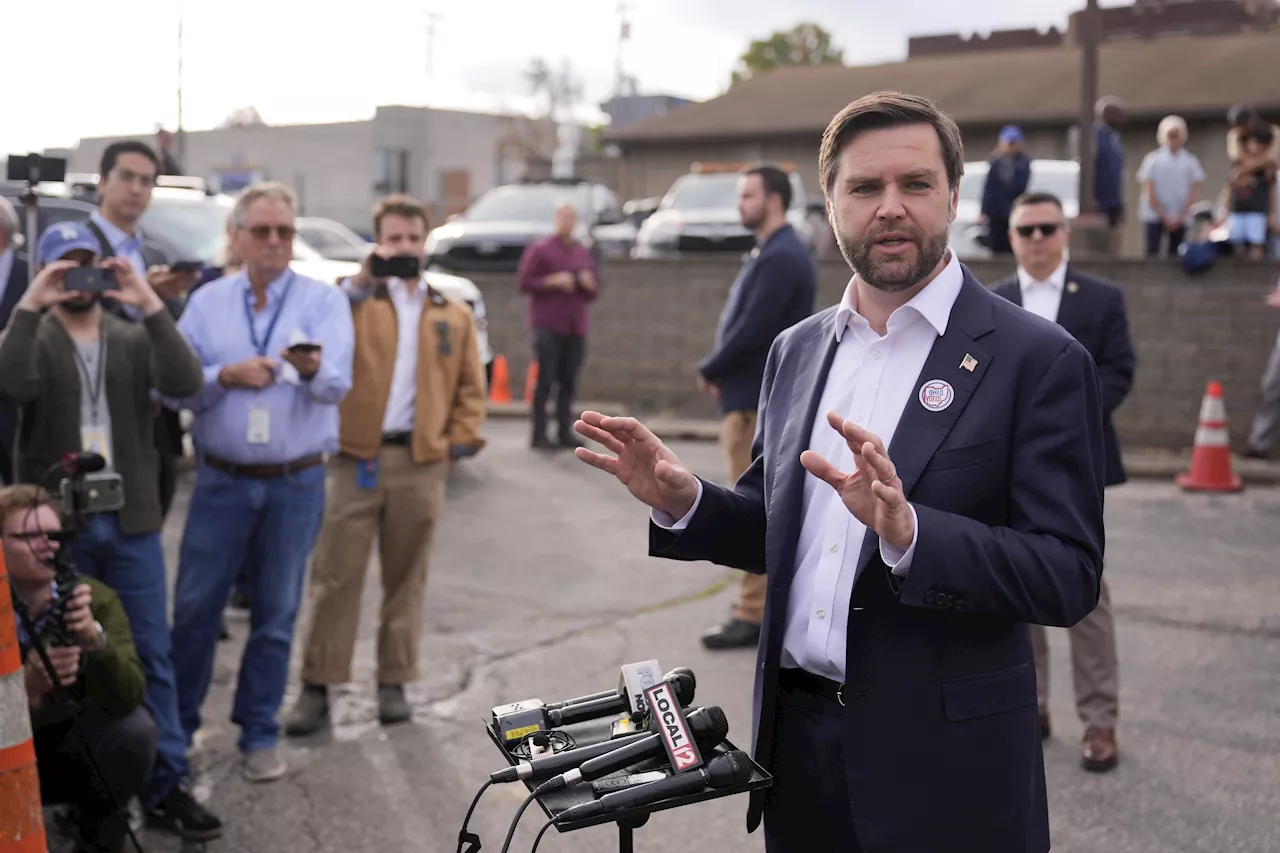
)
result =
(111, 680)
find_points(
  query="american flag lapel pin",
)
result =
(969, 362)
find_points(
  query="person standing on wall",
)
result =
(560, 277)
(1093, 311)
(417, 402)
(775, 289)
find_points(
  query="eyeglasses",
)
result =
(28, 535)
(262, 232)
(1048, 229)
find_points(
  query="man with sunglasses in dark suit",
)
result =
(1093, 311)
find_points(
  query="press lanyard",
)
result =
(261, 346)
(94, 384)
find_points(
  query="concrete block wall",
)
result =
(654, 321)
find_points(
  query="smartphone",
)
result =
(186, 266)
(399, 266)
(90, 280)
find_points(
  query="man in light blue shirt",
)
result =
(277, 350)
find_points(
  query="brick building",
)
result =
(781, 115)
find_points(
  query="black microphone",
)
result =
(709, 727)
(723, 771)
(590, 697)
(681, 672)
(83, 462)
(550, 765)
(617, 703)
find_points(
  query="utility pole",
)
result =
(624, 35)
(182, 136)
(1088, 98)
(432, 17)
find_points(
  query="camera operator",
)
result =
(84, 379)
(101, 672)
(13, 283)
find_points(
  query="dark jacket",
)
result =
(1093, 312)
(38, 371)
(1108, 176)
(111, 680)
(1005, 182)
(940, 730)
(775, 289)
(13, 293)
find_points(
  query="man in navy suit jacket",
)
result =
(13, 283)
(895, 696)
(775, 289)
(1092, 310)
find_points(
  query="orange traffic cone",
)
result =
(530, 381)
(21, 818)
(1210, 469)
(501, 390)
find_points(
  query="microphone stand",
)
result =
(626, 832)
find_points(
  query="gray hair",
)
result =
(266, 189)
(1169, 123)
(8, 218)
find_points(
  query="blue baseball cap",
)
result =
(1011, 133)
(63, 237)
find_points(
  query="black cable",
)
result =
(541, 833)
(506, 845)
(557, 741)
(60, 693)
(465, 837)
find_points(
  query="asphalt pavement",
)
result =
(540, 586)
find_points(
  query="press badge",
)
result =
(367, 474)
(93, 439)
(259, 425)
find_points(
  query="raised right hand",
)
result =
(257, 372)
(641, 462)
(48, 287)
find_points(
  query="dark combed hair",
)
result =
(399, 205)
(1036, 198)
(889, 109)
(128, 146)
(775, 182)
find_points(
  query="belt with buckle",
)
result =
(400, 439)
(802, 681)
(262, 472)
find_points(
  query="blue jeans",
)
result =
(267, 525)
(133, 566)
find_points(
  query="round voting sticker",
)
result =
(936, 395)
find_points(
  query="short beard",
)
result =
(893, 276)
(80, 306)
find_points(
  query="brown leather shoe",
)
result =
(1100, 750)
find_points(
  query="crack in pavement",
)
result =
(311, 830)
(472, 670)
(1153, 617)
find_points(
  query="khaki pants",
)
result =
(1094, 665)
(737, 431)
(402, 508)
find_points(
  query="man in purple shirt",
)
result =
(560, 277)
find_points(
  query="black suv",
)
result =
(493, 233)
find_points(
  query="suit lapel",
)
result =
(1069, 307)
(808, 376)
(923, 427)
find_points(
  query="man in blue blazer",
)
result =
(895, 697)
(1092, 310)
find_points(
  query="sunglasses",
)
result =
(262, 232)
(1048, 229)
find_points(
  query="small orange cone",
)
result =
(530, 381)
(1210, 469)
(501, 390)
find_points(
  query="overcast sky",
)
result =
(112, 68)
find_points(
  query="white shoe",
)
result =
(264, 765)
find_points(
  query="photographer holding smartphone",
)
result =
(83, 378)
(417, 401)
(100, 669)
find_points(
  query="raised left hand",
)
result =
(79, 617)
(306, 363)
(130, 288)
(872, 492)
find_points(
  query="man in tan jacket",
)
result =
(417, 401)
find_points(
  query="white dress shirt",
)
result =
(872, 380)
(1043, 298)
(404, 376)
